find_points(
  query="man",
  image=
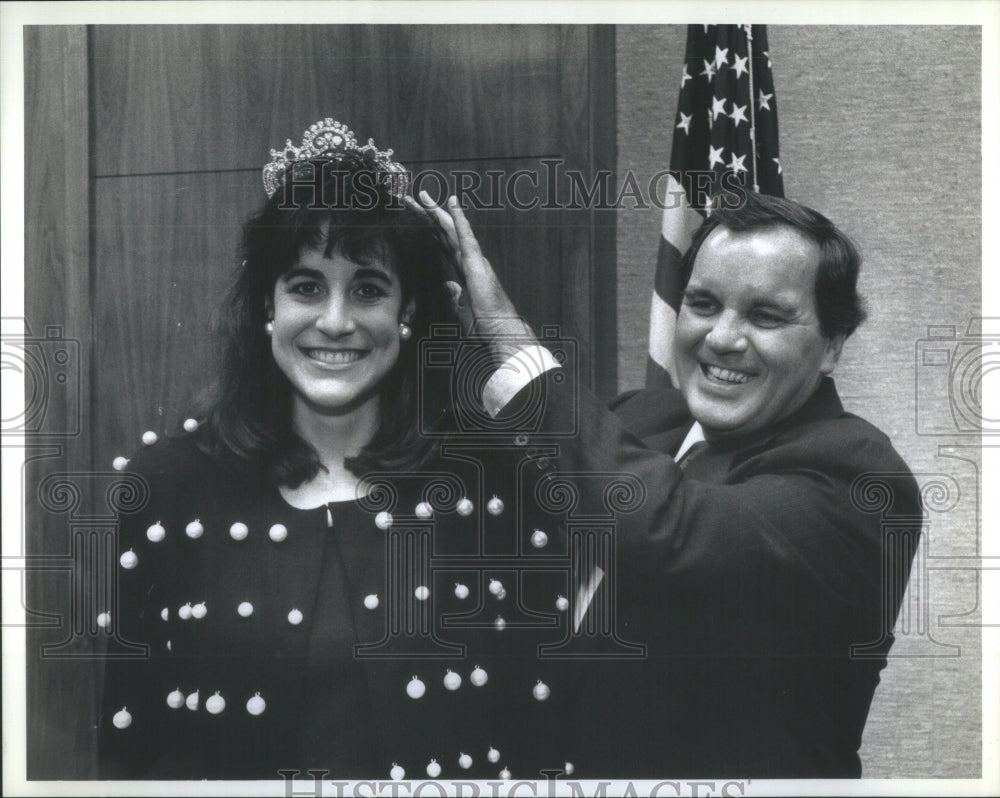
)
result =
(757, 570)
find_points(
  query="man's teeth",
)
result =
(735, 377)
(335, 358)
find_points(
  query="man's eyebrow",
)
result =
(695, 293)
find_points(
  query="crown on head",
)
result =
(330, 140)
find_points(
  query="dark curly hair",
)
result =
(249, 414)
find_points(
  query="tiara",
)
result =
(330, 140)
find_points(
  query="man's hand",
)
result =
(483, 305)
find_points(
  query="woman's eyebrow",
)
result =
(369, 272)
(302, 271)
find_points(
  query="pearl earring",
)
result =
(404, 331)
(269, 328)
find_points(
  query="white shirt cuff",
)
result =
(519, 369)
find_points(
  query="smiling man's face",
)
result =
(748, 348)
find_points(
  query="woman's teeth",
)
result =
(338, 357)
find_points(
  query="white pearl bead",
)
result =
(191, 702)
(129, 560)
(540, 691)
(184, 612)
(156, 533)
(119, 463)
(568, 768)
(175, 699)
(496, 587)
(149, 437)
(464, 507)
(371, 601)
(245, 609)
(199, 610)
(415, 688)
(397, 773)
(505, 774)
(562, 604)
(278, 533)
(464, 761)
(256, 705)
(194, 530)
(478, 677)
(190, 424)
(122, 719)
(461, 591)
(433, 769)
(494, 506)
(238, 531)
(424, 510)
(215, 704)
(539, 539)
(452, 681)
(501, 595)
(383, 520)
(493, 755)
(165, 614)
(499, 624)
(103, 619)
(422, 593)
(295, 617)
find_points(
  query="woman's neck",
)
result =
(334, 436)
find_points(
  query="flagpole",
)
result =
(753, 110)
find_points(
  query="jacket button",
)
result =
(215, 704)
(278, 533)
(238, 531)
(256, 705)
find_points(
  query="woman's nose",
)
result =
(336, 318)
(727, 335)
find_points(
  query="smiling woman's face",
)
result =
(336, 329)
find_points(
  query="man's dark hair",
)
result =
(839, 307)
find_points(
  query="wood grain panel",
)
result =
(56, 210)
(177, 98)
(167, 246)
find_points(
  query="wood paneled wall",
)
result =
(133, 233)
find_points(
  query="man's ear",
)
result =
(831, 356)
(409, 311)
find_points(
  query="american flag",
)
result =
(726, 124)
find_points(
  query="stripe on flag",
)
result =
(727, 122)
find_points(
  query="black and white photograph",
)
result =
(500, 398)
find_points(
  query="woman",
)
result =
(280, 570)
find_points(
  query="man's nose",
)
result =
(727, 334)
(336, 318)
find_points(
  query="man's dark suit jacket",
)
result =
(762, 578)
